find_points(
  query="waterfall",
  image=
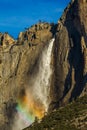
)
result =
(35, 101)
(42, 81)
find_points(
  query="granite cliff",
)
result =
(70, 54)
(19, 58)
(6, 39)
(18, 61)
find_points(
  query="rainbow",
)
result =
(24, 115)
(29, 108)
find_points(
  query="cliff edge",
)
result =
(70, 54)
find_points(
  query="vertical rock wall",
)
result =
(70, 54)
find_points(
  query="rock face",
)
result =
(6, 39)
(17, 62)
(70, 54)
(69, 59)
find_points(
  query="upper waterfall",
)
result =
(42, 81)
(35, 101)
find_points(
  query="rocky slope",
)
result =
(71, 117)
(19, 58)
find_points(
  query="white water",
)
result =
(40, 85)
(42, 81)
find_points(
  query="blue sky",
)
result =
(15, 15)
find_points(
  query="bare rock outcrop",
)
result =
(18, 60)
(6, 39)
(70, 54)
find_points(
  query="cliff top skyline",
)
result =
(16, 15)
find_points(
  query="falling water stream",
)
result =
(36, 102)
(42, 82)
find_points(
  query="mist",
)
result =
(33, 102)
